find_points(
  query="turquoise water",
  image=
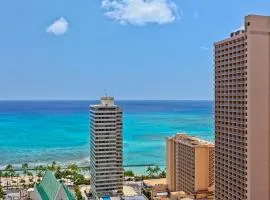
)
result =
(40, 132)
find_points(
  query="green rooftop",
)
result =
(49, 187)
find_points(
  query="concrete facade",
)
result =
(242, 112)
(190, 165)
(106, 146)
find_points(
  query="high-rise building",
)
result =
(106, 167)
(190, 165)
(242, 112)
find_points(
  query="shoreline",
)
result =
(138, 170)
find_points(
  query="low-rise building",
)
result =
(158, 188)
(51, 189)
(190, 165)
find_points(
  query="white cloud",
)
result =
(140, 12)
(58, 27)
(203, 48)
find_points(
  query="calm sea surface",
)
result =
(40, 132)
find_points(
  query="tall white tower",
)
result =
(106, 146)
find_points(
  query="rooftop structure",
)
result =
(191, 141)
(51, 189)
(105, 102)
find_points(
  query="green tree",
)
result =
(42, 169)
(58, 174)
(162, 174)
(73, 173)
(156, 170)
(17, 176)
(25, 169)
(79, 179)
(39, 174)
(30, 174)
(52, 167)
(10, 171)
(2, 194)
(78, 193)
(129, 173)
(73, 168)
(1, 175)
(150, 171)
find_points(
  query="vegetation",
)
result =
(78, 193)
(29, 177)
(25, 169)
(147, 193)
(155, 172)
(2, 194)
(129, 173)
(72, 174)
(80, 180)
(163, 174)
(1, 175)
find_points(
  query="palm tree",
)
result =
(1, 175)
(163, 174)
(6, 175)
(25, 169)
(66, 174)
(17, 176)
(58, 174)
(43, 169)
(39, 175)
(40, 170)
(52, 167)
(150, 171)
(30, 174)
(156, 170)
(10, 170)
(74, 171)
(73, 168)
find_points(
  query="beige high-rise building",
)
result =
(106, 146)
(190, 165)
(242, 112)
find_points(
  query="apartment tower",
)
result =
(106, 146)
(242, 112)
(190, 165)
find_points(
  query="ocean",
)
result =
(40, 132)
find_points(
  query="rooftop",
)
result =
(49, 187)
(105, 102)
(129, 191)
(191, 140)
(153, 182)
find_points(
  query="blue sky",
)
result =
(133, 49)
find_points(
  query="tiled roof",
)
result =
(68, 193)
(49, 186)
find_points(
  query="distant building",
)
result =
(158, 188)
(190, 165)
(51, 189)
(106, 146)
(242, 112)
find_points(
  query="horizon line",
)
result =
(83, 99)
